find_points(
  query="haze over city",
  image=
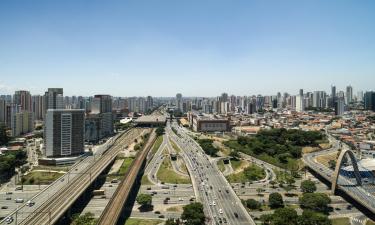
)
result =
(132, 48)
(188, 112)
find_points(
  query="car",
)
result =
(157, 212)
(20, 188)
(149, 188)
(8, 198)
(4, 207)
(349, 207)
(227, 191)
(337, 209)
(9, 220)
(213, 203)
(220, 211)
(9, 193)
(235, 215)
(19, 200)
(180, 199)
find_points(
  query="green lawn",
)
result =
(134, 221)
(340, 221)
(37, 177)
(157, 144)
(220, 165)
(251, 173)
(125, 166)
(370, 222)
(236, 164)
(145, 180)
(168, 175)
(175, 147)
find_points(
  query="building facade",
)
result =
(64, 132)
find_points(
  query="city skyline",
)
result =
(198, 49)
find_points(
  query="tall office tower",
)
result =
(179, 102)
(292, 102)
(101, 104)
(142, 105)
(224, 97)
(349, 94)
(150, 103)
(64, 132)
(21, 121)
(53, 99)
(259, 102)
(38, 106)
(369, 100)
(3, 111)
(359, 96)
(340, 106)
(300, 104)
(23, 99)
(301, 92)
(333, 96)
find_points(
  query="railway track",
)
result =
(113, 209)
(51, 210)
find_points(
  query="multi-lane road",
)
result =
(51, 202)
(220, 202)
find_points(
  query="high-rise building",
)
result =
(333, 95)
(23, 99)
(300, 106)
(301, 92)
(99, 122)
(319, 99)
(38, 107)
(3, 110)
(339, 106)
(179, 102)
(53, 99)
(369, 100)
(349, 95)
(64, 132)
(21, 121)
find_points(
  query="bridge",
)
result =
(356, 183)
(52, 202)
(112, 211)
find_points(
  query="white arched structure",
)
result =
(338, 166)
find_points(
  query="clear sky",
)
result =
(196, 47)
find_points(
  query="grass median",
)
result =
(166, 174)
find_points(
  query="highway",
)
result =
(362, 194)
(212, 189)
(53, 201)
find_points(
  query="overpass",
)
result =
(112, 211)
(357, 187)
(52, 202)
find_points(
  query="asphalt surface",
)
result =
(218, 198)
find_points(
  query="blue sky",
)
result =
(198, 48)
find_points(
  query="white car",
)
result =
(220, 211)
(213, 203)
(9, 220)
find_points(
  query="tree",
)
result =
(285, 216)
(144, 199)
(3, 135)
(275, 200)
(193, 214)
(332, 164)
(315, 201)
(273, 183)
(160, 131)
(234, 154)
(252, 204)
(309, 217)
(86, 219)
(172, 222)
(308, 186)
(290, 180)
